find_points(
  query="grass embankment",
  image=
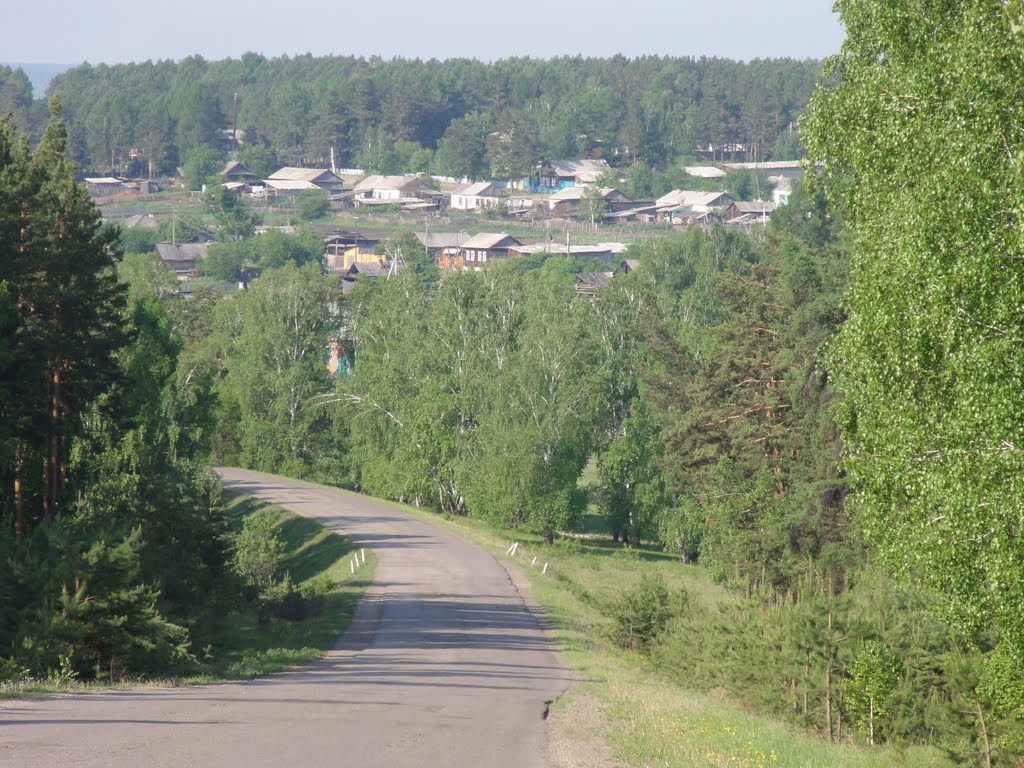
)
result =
(648, 720)
(242, 641)
(246, 644)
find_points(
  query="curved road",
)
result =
(445, 665)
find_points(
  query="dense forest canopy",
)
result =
(459, 117)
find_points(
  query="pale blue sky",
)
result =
(113, 31)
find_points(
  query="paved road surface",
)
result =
(446, 665)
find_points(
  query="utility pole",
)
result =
(234, 123)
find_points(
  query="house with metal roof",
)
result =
(476, 197)
(395, 189)
(553, 175)
(290, 180)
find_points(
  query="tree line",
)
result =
(458, 117)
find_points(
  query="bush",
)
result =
(641, 614)
(257, 551)
(312, 204)
(283, 601)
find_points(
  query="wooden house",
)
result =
(479, 251)
(565, 203)
(182, 258)
(290, 181)
(589, 283)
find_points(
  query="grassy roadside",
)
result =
(620, 700)
(242, 644)
(246, 645)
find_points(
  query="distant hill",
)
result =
(40, 75)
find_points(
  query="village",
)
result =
(569, 204)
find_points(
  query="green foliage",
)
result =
(312, 204)
(641, 614)
(920, 133)
(180, 228)
(138, 239)
(274, 248)
(256, 552)
(234, 219)
(259, 159)
(391, 116)
(270, 345)
(225, 260)
(202, 168)
(872, 678)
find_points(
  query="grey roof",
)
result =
(141, 220)
(587, 171)
(758, 206)
(235, 168)
(291, 185)
(682, 198)
(479, 188)
(182, 251)
(369, 269)
(442, 239)
(486, 240)
(399, 183)
(771, 165)
(705, 171)
(313, 175)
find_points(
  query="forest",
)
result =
(454, 117)
(824, 419)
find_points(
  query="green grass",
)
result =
(243, 646)
(649, 720)
(240, 645)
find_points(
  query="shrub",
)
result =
(257, 551)
(641, 614)
(312, 204)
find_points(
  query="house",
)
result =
(638, 211)
(107, 186)
(704, 172)
(791, 169)
(398, 190)
(237, 188)
(679, 201)
(627, 266)
(757, 212)
(478, 251)
(589, 283)
(565, 203)
(606, 252)
(436, 242)
(235, 172)
(140, 221)
(687, 217)
(553, 175)
(182, 258)
(290, 181)
(477, 197)
(370, 270)
(343, 249)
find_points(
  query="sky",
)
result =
(117, 31)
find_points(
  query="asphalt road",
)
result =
(446, 665)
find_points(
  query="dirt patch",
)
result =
(576, 733)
